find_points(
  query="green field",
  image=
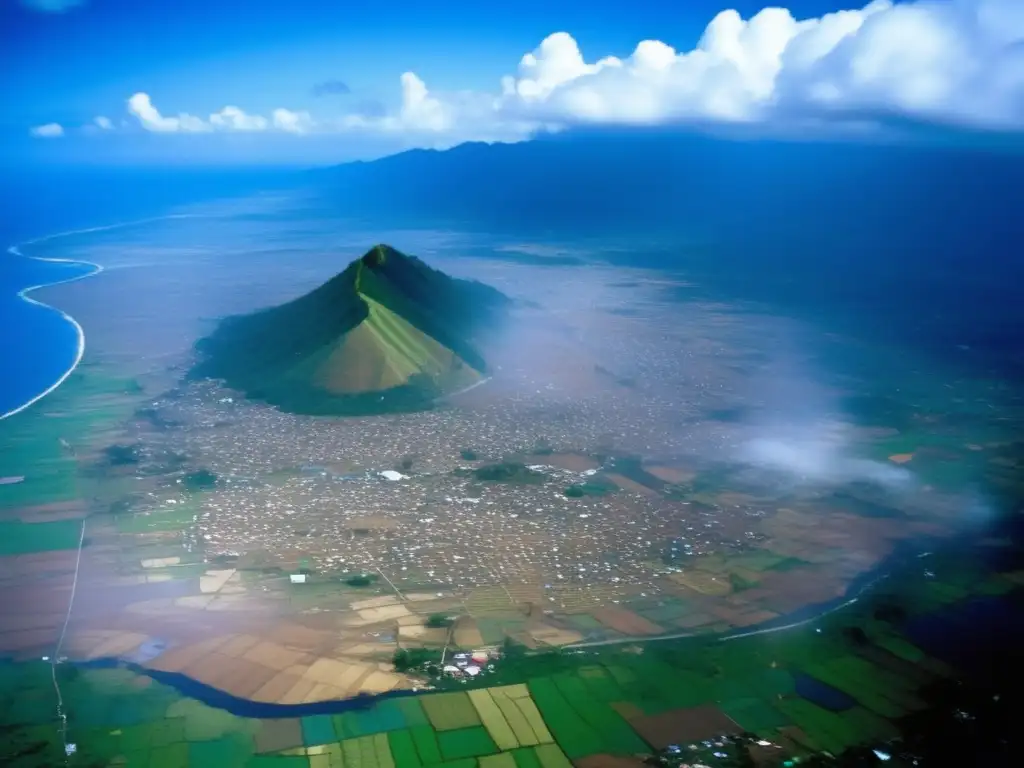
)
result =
(582, 704)
(17, 538)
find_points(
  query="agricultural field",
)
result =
(804, 691)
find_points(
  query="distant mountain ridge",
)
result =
(389, 333)
(912, 242)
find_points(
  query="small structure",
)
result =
(297, 578)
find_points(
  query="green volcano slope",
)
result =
(387, 334)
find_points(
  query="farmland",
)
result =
(802, 691)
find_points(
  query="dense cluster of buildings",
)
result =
(395, 493)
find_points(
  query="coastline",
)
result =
(23, 294)
(93, 270)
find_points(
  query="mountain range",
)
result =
(913, 242)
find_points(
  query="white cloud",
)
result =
(292, 122)
(48, 131)
(150, 118)
(947, 62)
(229, 118)
(954, 63)
(958, 62)
(234, 119)
(103, 123)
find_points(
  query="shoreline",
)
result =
(94, 269)
(23, 294)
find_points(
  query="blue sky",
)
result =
(71, 68)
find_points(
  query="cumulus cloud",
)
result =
(234, 119)
(292, 122)
(150, 118)
(955, 63)
(229, 118)
(52, 6)
(48, 131)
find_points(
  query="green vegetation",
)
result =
(176, 517)
(450, 711)
(469, 455)
(40, 444)
(706, 484)
(387, 334)
(361, 579)
(597, 485)
(507, 472)
(406, 659)
(17, 538)
(466, 742)
(632, 468)
(739, 583)
(121, 455)
(542, 448)
(439, 620)
(200, 480)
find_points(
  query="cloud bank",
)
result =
(953, 63)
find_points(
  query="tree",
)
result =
(361, 580)
(411, 658)
(201, 479)
(121, 455)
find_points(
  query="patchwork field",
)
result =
(801, 691)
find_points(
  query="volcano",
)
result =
(389, 333)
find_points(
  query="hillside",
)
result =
(389, 333)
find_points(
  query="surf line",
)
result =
(94, 269)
